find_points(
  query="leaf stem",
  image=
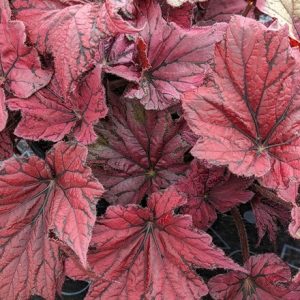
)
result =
(248, 8)
(240, 226)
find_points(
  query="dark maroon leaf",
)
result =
(6, 145)
(137, 151)
(267, 214)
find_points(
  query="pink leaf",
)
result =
(72, 34)
(295, 289)
(286, 12)
(240, 121)
(49, 116)
(269, 279)
(42, 201)
(20, 67)
(178, 57)
(294, 227)
(140, 253)
(137, 151)
(120, 60)
(208, 190)
(222, 10)
(182, 15)
(3, 111)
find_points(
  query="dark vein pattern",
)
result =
(248, 116)
(269, 278)
(20, 67)
(72, 34)
(49, 116)
(179, 58)
(151, 253)
(42, 202)
(209, 190)
(137, 151)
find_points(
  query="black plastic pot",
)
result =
(74, 289)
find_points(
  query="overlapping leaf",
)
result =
(208, 190)
(177, 3)
(267, 214)
(119, 60)
(150, 253)
(40, 200)
(285, 11)
(20, 67)
(182, 16)
(71, 33)
(248, 116)
(269, 279)
(177, 58)
(137, 151)
(49, 116)
(222, 10)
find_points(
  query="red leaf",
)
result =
(47, 115)
(269, 279)
(222, 10)
(182, 15)
(30, 262)
(6, 145)
(240, 121)
(20, 67)
(285, 11)
(149, 253)
(267, 213)
(71, 34)
(178, 3)
(142, 54)
(41, 201)
(208, 190)
(290, 193)
(179, 58)
(3, 111)
(295, 289)
(137, 151)
(189, 136)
